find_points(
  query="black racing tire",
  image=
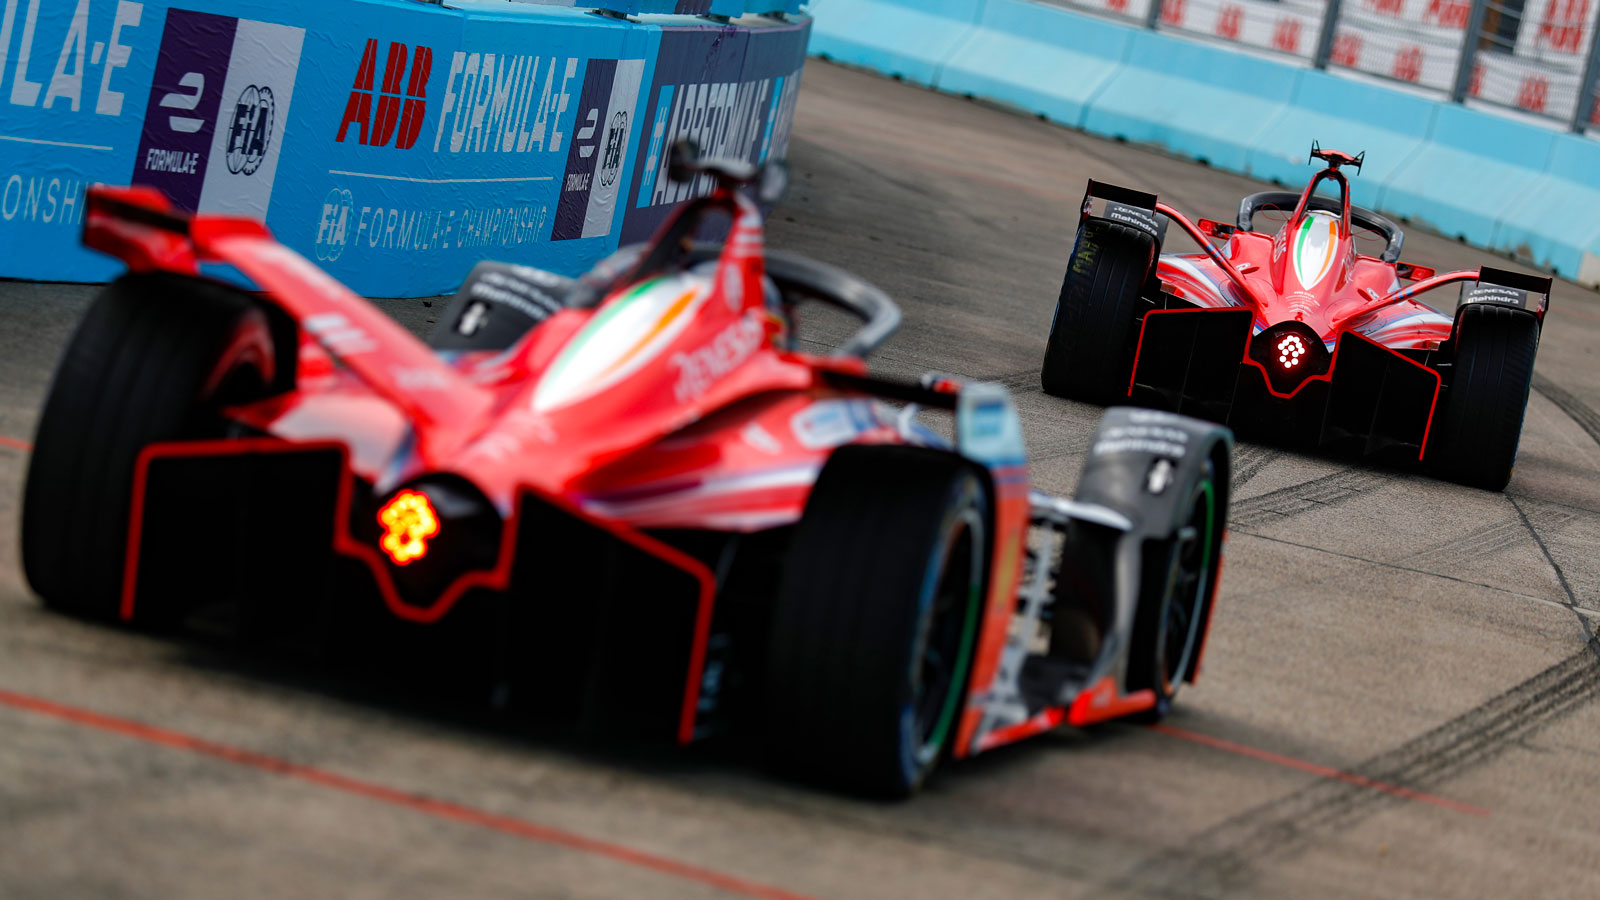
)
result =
(1087, 356)
(1178, 575)
(152, 360)
(877, 620)
(1474, 441)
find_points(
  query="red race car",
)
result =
(624, 501)
(1298, 335)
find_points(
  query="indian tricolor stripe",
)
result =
(1313, 247)
(625, 334)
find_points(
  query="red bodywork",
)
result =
(712, 425)
(1309, 273)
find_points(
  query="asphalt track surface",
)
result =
(1399, 699)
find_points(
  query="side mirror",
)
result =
(683, 160)
(1413, 272)
(774, 181)
(1215, 229)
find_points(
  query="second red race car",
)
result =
(623, 501)
(1297, 335)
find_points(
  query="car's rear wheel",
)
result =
(153, 360)
(1474, 441)
(877, 619)
(1087, 356)
(1179, 575)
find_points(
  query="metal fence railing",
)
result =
(1537, 56)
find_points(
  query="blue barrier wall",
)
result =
(396, 143)
(1495, 180)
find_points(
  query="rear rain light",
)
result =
(1290, 350)
(408, 521)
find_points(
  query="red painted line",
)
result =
(1315, 769)
(442, 809)
(15, 444)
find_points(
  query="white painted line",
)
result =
(23, 140)
(437, 180)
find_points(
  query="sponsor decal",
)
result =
(732, 94)
(1151, 223)
(700, 368)
(592, 181)
(1479, 292)
(829, 423)
(493, 103)
(333, 229)
(250, 131)
(42, 199)
(71, 81)
(402, 99)
(204, 59)
(184, 100)
(341, 224)
(1143, 434)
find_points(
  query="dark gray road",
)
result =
(1400, 697)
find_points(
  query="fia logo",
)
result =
(616, 146)
(250, 131)
(333, 229)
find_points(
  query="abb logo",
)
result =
(1534, 93)
(1346, 50)
(1172, 12)
(1229, 21)
(1476, 87)
(1117, 6)
(394, 107)
(1286, 35)
(1408, 63)
(1562, 28)
(1387, 7)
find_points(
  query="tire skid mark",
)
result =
(1572, 603)
(1249, 460)
(1580, 412)
(1223, 858)
(1287, 502)
(1404, 568)
(1480, 542)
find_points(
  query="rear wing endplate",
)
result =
(1126, 206)
(1514, 290)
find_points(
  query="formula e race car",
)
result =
(623, 501)
(1297, 336)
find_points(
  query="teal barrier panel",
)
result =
(1556, 221)
(1037, 58)
(909, 39)
(1475, 166)
(396, 143)
(1191, 98)
(1389, 125)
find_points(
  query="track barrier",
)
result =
(1497, 179)
(394, 142)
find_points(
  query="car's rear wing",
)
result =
(139, 226)
(1514, 290)
(1124, 205)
